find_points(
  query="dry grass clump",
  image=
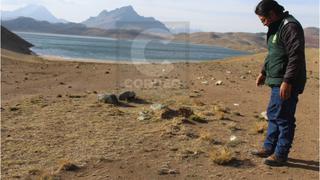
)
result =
(198, 119)
(206, 136)
(221, 156)
(66, 165)
(260, 127)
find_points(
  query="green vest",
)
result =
(277, 59)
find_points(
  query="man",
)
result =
(284, 71)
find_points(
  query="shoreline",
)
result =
(157, 62)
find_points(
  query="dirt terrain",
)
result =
(54, 127)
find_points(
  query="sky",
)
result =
(206, 15)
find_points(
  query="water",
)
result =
(98, 48)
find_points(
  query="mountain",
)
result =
(13, 42)
(37, 12)
(252, 42)
(31, 25)
(125, 18)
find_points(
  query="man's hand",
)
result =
(260, 79)
(285, 90)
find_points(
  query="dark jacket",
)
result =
(286, 56)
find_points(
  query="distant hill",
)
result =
(252, 42)
(124, 18)
(13, 42)
(31, 25)
(312, 37)
(37, 12)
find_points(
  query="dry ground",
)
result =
(50, 115)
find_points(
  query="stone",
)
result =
(128, 96)
(173, 171)
(163, 171)
(264, 115)
(236, 113)
(219, 83)
(68, 167)
(187, 121)
(156, 107)
(144, 116)
(14, 108)
(233, 138)
(169, 114)
(185, 112)
(198, 119)
(108, 98)
(205, 82)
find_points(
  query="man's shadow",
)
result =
(303, 164)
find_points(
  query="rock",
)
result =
(75, 96)
(187, 121)
(68, 167)
(228, 72)
(192, 135)
(156, 107)
(163, 171)
(234, 141)
(198, 119)
(233, 138)
(205, 82)
(194, 95)
(236, 113)
(195, 91)
(128, 96)
(221, 109)
(14, 108)
(173, 171)
(264, 115)
(243, 77)
(233, 126)
(108, 98)
(219, 83)
(144, 116)
(185, 112)
(169, 114)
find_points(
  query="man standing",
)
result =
(284, 70)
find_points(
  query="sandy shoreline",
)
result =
(60, 58)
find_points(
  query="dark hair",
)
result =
(265, 6)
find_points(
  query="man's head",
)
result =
(269, 11)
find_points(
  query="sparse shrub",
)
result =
(222, 156)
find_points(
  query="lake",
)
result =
(100, 48)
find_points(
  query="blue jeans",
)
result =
(281, 123)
